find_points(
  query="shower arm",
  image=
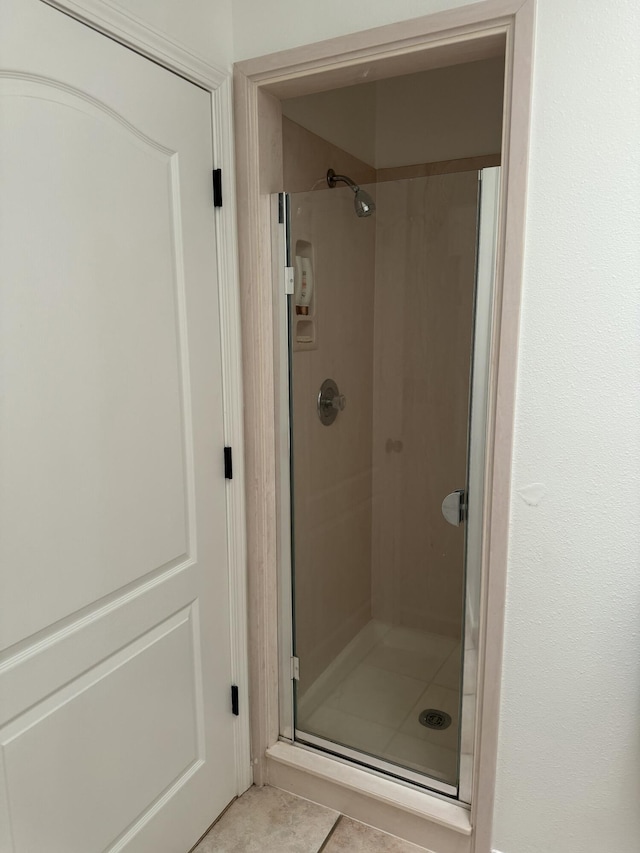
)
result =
(333, 179)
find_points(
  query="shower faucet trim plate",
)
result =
(330, 402)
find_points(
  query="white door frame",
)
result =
(463, 34)
(138, 35)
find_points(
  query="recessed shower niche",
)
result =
(393, 210)
(303, 304)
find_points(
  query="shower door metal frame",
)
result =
(483, 311)
(478, 414)
(281, 263)
(281, 266)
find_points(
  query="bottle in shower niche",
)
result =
(303, 285)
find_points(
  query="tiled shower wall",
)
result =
(331, 465)
(393, 314)
(424, 284)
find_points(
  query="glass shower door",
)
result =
(381, 325)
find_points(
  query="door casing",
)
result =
(460, 35)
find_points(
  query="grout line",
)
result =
(383, 746)
(323, 846)
(208, 830)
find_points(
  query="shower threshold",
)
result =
(376, 765)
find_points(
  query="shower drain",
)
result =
(434, 719)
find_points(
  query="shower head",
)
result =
(363, 204)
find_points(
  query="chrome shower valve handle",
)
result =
(330, 402)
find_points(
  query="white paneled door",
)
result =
(116, 732)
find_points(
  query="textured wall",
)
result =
(569, 763)
(260, 28)
(202, 26)
(568, 775)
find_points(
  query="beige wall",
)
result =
(345, 117)
(307, 158)
(425, 273)
(332, 465)
(442, 114)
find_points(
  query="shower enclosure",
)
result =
(385, 324)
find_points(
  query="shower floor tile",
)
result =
(350, 730)
(375, 707)
(421, 664)
(378, 695)
(449, 673)
(421, 755)
(412, 640)
(443, 699)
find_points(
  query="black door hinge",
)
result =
(217, 187)
(235, 704)
(228, 463)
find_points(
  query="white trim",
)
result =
(389, 769)
(408, 799)
(233, 413)
(132, 31)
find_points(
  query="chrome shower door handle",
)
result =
(454, 507)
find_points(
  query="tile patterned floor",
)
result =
(267, 820)
(375, 708)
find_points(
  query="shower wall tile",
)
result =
(331, 465)
(425, 271)
(333, 580)
(394, 297)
